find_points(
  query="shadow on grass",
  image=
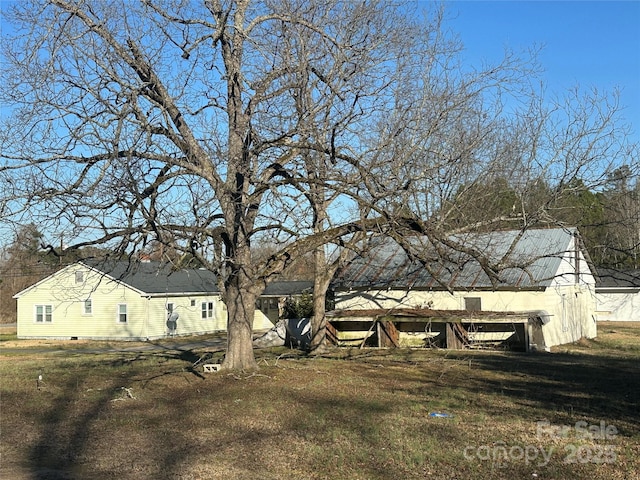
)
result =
(215, 422)
(66, 427)
(563, 387)
(73, 420)
(568, 386)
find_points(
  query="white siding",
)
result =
(146, 316)
(567, 275)
(68, 296)
(618, 306)
(189, 312)
(571, 308)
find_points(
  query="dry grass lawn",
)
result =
(352, 414)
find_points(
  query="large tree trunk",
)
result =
(241, 309)
(240, 288)
(322, 279)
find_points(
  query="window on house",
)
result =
(44, 313)
(193, 303)
(87, 307)
(79, 277)
(473, 304)
(207, 309)
(122, 313)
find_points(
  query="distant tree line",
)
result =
(608, 219)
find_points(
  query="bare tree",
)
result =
(203, 126)
(23, 262)
(176, 122)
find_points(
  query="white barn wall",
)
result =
(567, 274)
(570, 307)
(618, 306)
(572, 300)
(567, 294)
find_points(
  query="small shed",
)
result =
(618, 295)
(545, 278)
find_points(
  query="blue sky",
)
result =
(585, 43)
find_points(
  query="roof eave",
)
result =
(181, 294)
(539, 288)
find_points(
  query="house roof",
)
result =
(289, 287)
(611, 278)
(158, 277)
(162, 278)
(528, 259)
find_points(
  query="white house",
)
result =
(543, 276)
(124, 301)
(618, 295)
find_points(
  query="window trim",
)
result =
(119, 314)
(207, 309)
(44, 315)
(87, 312)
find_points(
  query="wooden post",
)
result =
(332, 334)
(450, 336)
(453, 341)
(388, 335)
(364, 340)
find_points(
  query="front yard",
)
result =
(351, 414)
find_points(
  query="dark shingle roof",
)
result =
(612, 278)
(289, 287)
(159, 277)
(162, 278)
(530, 259)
